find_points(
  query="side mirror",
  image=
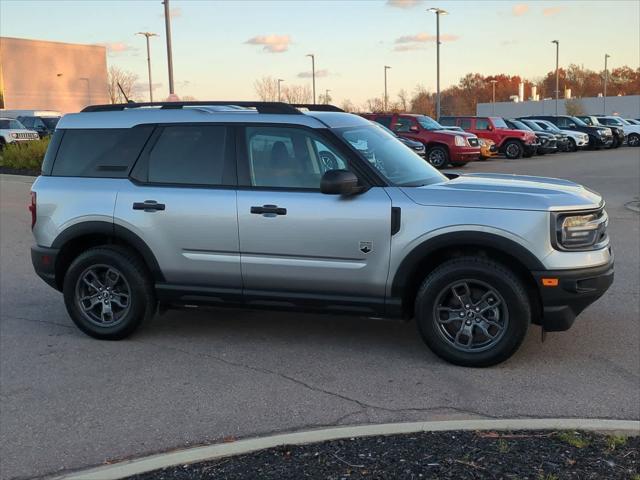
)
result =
(339, 182)
(490, 127)
(414, 128)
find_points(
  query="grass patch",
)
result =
(574, 439)
(615, 441)
(27, 155)
(503, 446)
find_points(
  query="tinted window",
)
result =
(448, 121)
(11, 125)
(404, 124)
(289, 157)
(386, 120)
(189, 154)
(562, 122)
(27, 121)
(482, 124)
(465, 123)
(108, 152)
(50, 122)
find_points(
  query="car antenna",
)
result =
(124, 94)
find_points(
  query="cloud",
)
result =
(114, 48)
(505, 43)
(404, 3)
(319, 73)
(551, 11)
(424, 38)
(520, 9)
(408, 47)
(271, 43)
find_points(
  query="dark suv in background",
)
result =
(619, 136)
(599, 136)
(547, 141)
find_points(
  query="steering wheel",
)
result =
(329, 160)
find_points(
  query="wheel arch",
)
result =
(428, 255)
(79, 237)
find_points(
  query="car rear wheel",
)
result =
(438, 156)
(472, 311)
(513, 149)
(633, 140)
(108, 292)
(573, 146)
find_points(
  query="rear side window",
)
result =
(109, 152)
(465, 123)
(189, 155)
(448, 121)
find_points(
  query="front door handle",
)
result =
(269, 210)
(148, 206)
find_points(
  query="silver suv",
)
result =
(144, 207)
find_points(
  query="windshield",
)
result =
(547, 125)
(379, 125)
(397, 163)
(579, 122)
(428, 123)
(50, 122)
(624, 122)
(11, 125)
(518, 125)
(499, 123)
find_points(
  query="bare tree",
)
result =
(375, 105)
(348, 106)
(297, 94)
(403, 100)
(127, 81)
(325, 98)
(574, 107)
(266, 89)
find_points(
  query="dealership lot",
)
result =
(196, 377)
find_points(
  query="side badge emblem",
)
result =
(366, 247)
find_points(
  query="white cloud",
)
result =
(271, 43)
(415, 42)
(114, 48)
(520, 9)
(551, 11)
(404, 3)
(319, 74)
(408, 47)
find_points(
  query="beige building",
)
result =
(65, 77)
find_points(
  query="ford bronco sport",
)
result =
(143, 207)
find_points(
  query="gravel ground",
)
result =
(533, 455)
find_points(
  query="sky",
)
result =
(220, 48)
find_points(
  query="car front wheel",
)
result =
(472, 311)
(108, 292)
(438, 156)
(633, 140)
(513, 149)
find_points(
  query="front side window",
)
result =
(189, 155)
(428, 123)
(465, 123)
(289, 157)
(27, 121)
(397, 163)
(482, 124)
(403, 124)
(384, 120)
(11, 125)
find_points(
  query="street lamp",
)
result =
(493, 83)
(313, 74)
(167, 26)
(148, 35)
(386, 97)
(438, 12)
(557, 42)
(280, 80)
(326, 96)
(606, 74)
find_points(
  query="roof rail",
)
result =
(317, 107)
(261, 107)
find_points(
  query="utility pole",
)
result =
(557, 42)
(167, 24)
(493, 83)
(326, 96)
(280, 80)
(606, 74)
(386, 96)
(438, 12)
(313, 74)
(148, 35)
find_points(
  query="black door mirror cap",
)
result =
(339, 182)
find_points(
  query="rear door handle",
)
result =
(269, 210)
(148, 206)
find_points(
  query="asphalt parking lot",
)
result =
(188, 378)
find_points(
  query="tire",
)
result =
(573, 146)
(513, 149)
(512, 312)
(93, 274)
(2, 143)
(438, 156)
(633, 140)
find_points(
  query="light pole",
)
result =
(313, 74)
(493, 84)
(606, 74)
(280, 80)
(326, 96)
(386, 96)
(438, 12)
(148, 35)
(167, 26)
(557, 42)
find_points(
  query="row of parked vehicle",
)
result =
(457, 140)
(26, 125)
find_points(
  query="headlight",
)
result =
(459, 140)
(14, 135)
(481, 142)
(604, 131)
(586, 231)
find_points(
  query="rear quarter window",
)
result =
(109, 152)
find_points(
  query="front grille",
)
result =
(473, 141)
(26, 136)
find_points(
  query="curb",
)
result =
(212, 452)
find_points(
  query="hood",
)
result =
(452, 133)
(506, 192)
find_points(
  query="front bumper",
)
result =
(575, 291)
(601, 141)
(44, 263)
(464, 155)
(531, 148)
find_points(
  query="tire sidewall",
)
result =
(139, 290)
(636, 138)
(519, 153)
(513, 294)
(445, 155)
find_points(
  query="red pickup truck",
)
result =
(513, 143)
(443, 146)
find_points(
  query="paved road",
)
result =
(195, 377)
